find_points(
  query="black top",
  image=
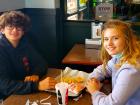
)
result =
(16, 64)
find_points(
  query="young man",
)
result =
(21, 67)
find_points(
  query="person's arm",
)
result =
(127, 82)
(9, 86)
(100, 74)
(9, 78)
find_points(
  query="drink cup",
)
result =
(62, 93)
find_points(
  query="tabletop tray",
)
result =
(68, 72)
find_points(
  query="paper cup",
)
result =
(62, 93)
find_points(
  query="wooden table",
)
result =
(21, 99)
(82, 56)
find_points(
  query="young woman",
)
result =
(121, 60)
(21, 67)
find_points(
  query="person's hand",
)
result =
(33, 78)
(93, 85)
(47, 83)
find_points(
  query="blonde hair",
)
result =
(131, 51)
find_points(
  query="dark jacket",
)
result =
(16, 64)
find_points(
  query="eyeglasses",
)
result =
(12, 27)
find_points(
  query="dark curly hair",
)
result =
(16, 19)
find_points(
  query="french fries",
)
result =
(70, 80)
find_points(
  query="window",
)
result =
(99, 9)
(76, 9)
